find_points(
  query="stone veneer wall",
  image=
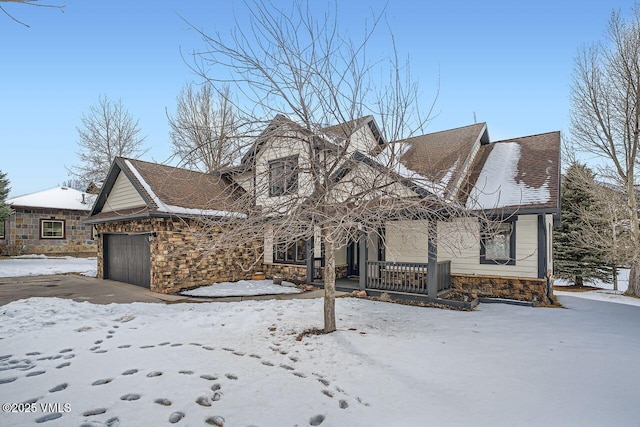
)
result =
(519, 288)
(23, 229)
(296, 273)
(179, 260)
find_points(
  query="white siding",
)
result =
(268, 246)
(123, 196)
(459, 242)
(406, 241)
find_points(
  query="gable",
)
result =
(123, 196)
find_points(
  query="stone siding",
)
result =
(23, 229)
(179, 257)
(296, 273)
(518, 288)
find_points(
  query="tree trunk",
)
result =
(634, 280)
(614, 269)
(329, 287)
(578, 281)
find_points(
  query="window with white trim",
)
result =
(52, 229)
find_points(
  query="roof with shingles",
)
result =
(517, 173)
(169, 190)
(441, 157)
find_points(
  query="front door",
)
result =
(353, 256)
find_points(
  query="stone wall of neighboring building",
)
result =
(179, 256)
(518, 288)
(23, 229)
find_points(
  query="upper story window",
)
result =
(498, 244)
(283, 176)
(52, 229)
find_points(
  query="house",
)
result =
(503, 250)
(50, 222)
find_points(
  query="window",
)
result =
(52, 229)
(498, 244)
(283, 176)
(1, 229)
(292, 253)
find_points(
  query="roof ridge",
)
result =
(526, 136)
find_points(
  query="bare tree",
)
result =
(107, 131)
(299, 75)
(605, 117)
(206, 130)
(30, 3)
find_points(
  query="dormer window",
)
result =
(283, 176)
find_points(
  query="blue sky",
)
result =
(508, 62)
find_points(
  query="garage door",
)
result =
(127, 258)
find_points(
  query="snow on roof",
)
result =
(497, 186)
(390, 158)
(178, 210)
(56, 198)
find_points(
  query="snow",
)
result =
(389, 158)
(243, 288)
(179, 210)
(36, 265)
(497, 187)
(387, 364)
(606, 293)
(57, 198)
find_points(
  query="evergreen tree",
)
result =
(5, 210)
(576, 259)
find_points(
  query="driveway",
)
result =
(78, 288)
(99, 291)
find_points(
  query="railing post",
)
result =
(362, 259)
(432, 268)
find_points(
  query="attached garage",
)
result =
(127, 258)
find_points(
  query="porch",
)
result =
(408, 280)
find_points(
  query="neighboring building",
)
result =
(50, 222)
(515, 182)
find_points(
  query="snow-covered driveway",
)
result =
(35, 265)
(146, 364)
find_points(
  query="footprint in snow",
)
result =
(94, 348)
(130, 372)
(32, 353)
(264, 362)
(35, 373)
(163, 402)
(7, 380)
(208, 377)
(299, 374)
(112, 332)
(102, 381)
(255, 356)
(196, 344)
(66, 350)
(165, 343)
(176, 344)
(175, 417)
(69, 356)
(109, 336)
(231, 376)
(98, 342)
(130, 397)
(93, 412)
(217, 421)
(203, 401)
(147, 346)
(186, 372)
(59, 387)
(238, 353)
(124, 346)
(327, 393)
(154, 374)
(208, 347)
(227, 349)
(215, 387)
(100, 351)
(287, 367)
(324, 382)
(343, 404)
(48, 417)
(317, 420)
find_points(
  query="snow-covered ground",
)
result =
(606, 292)
(35, 265)
(244, 288)
(387, 365)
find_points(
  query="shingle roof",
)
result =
(168, 190)
(517, 173)
(440, 157)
